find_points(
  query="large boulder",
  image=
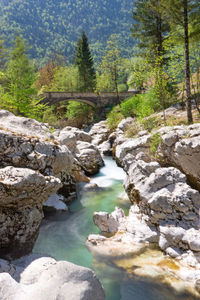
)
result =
(99, 133)
(180, 147)
(46, 156)
(124, 124)
(89, 157)
(22, 194)
(46, 279)
(25, 126)
(68, 136)
(169, 204)
(130, 146)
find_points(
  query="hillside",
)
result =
(54, 25)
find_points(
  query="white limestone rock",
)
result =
(109, 222)
(46, 279)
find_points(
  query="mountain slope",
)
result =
(54, 25)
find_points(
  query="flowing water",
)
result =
(62, 235)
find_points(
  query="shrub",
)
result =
(155, 142)
(50, 117)
(150, 123)
(141, 105)
(114, 117)
(122, 87)
(134, 128)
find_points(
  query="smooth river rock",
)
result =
(46, 279)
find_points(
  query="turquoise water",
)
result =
(63, 235)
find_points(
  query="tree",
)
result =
(84, 62)
(46, 75)
(149, 25)
(18, 89)
(110, 66)
(184, 13)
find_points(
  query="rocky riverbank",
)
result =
(162, 183)
(37, 166)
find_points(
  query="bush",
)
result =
(114, 117)
(141, 105)
(122, 87)
(50, 117)
(133, 129)
(151, 123)
(79, 113)
(154, 143)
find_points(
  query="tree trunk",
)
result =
(187, 65)
(116, 84)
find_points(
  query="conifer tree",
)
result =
(149, 25)
(84, 62)
(183, 14)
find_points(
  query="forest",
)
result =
(164, 67)
(54, 26)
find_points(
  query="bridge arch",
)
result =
(92, 99)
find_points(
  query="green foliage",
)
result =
(133, 129)
(150, 123)
(149, 25)
(114, 117)
(139, 73)
(141, 105)
(54, 26)
(110, 67)
(84, 63)
(49, 116)
(122, 87)
(18, 92)
(65, 79)
(154, 143)
(79, 113)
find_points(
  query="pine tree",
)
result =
(183, 14)
(84, 62)
(149, 25)
(151, 28)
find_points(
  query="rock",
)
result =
(125, 123)
(165, 201)
(89, 157)
(181, 148)
(68, 136)
(44, 278)
(137, 226)
(91, 187)
(22, 194)
(55, 203)
(131, 146)
(105, 148)
(32, 152)
(197, 285)
(109, 222)
(99, 133)
(24, 126)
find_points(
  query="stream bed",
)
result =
(63, 235)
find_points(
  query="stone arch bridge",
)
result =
(92, 99)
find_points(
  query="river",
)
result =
(63, 235)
